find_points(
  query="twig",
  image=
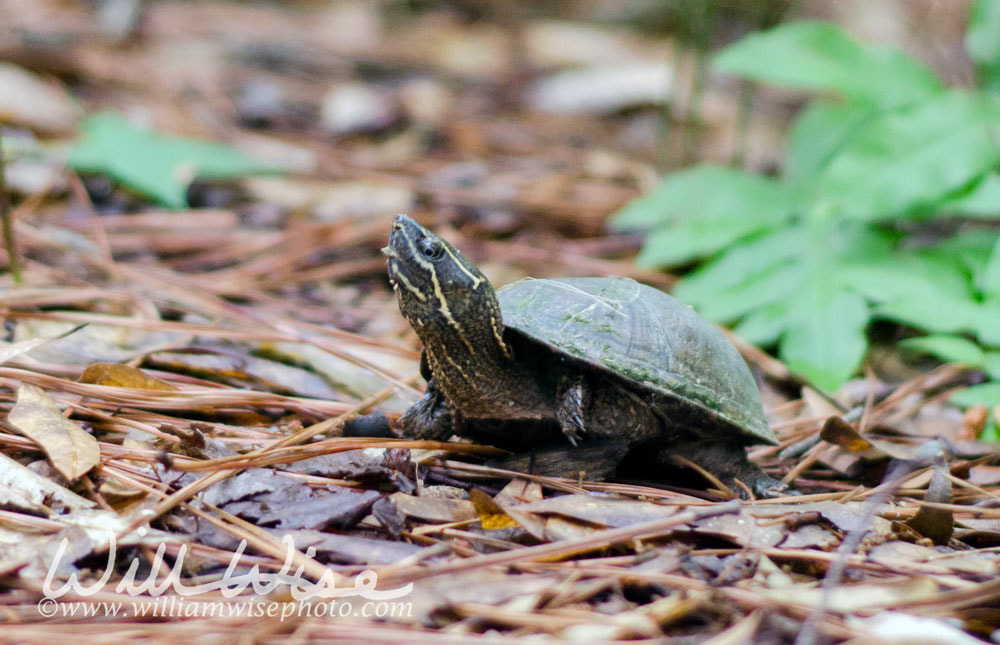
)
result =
(13, 263)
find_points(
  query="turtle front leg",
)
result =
(572, 398)
(433, 417)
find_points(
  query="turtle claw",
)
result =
(572, 397)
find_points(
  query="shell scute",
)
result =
(641, 334)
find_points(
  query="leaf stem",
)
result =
(704, 17)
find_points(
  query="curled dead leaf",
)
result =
(974, 422)
(936, 523)
(70, 449)
(21, 487)
(839, 432)
(491, 516)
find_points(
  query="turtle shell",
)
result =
(641, 334)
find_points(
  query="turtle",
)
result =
(542, 362)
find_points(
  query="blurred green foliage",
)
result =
(982, 41)
(807, 260)
(154, 165)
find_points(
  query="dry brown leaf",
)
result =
(558, 528)
(974, 422)
(837, 431)
(895, 554)
(335, 507)
(491, 516)
(743, 529)
(21, 487)
(600, 511)
(112, 486)
(811, 536)
(818, 405)
(847, 598)
(519, 491)
(936, 523)
(434, 509)
(845, 516)
(984, 475)
(119, 375)
(351, 549)
(70, 449)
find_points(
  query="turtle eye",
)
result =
(430, 249)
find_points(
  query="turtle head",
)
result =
(446, 299)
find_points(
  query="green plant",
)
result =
(807, 260)
(155, 165)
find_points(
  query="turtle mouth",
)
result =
(393, 261)
(404, 235)
(397, 252)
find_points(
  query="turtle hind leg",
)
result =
(727, 461)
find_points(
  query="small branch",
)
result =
(8, 226)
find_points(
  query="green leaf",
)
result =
(988, 323)
(908, 161)
(819, 56)
(991, 432)
(904, 274)
(946, 313)
(155, 165)
(971, 248)
(988, 394)
(982, 41)
(714, 194)
(935, 312)
(850, 242)
(827, 341)
(746, 276)
(700, 211)
(818, 132)
(990, 278)
(690, 240)
(782, 285)
(991, 365)
(759, 290)
(764, 326)
(742, 261)
(981, 200)
(950, 349)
